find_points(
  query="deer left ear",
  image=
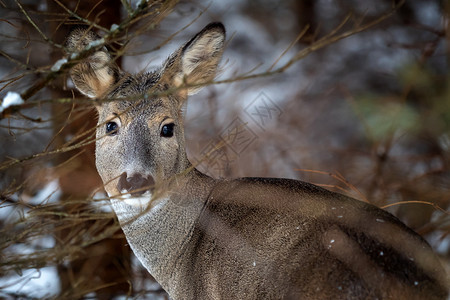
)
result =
(196, 62)
(95, 75)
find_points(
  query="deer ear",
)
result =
(96, 74)
(196, 62)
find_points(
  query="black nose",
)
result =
(135, 184)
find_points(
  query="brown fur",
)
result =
(249, 238)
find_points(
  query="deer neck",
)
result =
(158, 232)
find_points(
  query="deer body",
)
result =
(249, 238)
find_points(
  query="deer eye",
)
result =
(167, 130)
(112, 128)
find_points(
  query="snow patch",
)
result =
(70, 84)
(114, 27)
(95, 43)
(74, 55)
(57, 66)
(444, 141)
(138, 3)
(11, 98)
(35, 283)
(50, 193)
(101, 201)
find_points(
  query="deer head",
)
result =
(140, 139)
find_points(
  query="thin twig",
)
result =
(76, 16)
(37, 27)
(417, 202)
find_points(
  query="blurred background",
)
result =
(367, 116)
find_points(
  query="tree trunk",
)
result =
(103, 267)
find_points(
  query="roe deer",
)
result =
(247, 238)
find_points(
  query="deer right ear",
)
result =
(196, 62)
(95, 75)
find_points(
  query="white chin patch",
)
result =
(142, 201)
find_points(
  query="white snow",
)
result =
(57, 66)
(50, 193)
(11, 98)
(138, 3)
(9, 212)
(95, 43)
(444, 141)
(114, 27)
(38, 283)
(74, 55)
(101, 201)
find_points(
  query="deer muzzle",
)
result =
(136, 184)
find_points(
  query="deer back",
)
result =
(262, 238)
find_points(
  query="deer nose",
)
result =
(136, 184)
